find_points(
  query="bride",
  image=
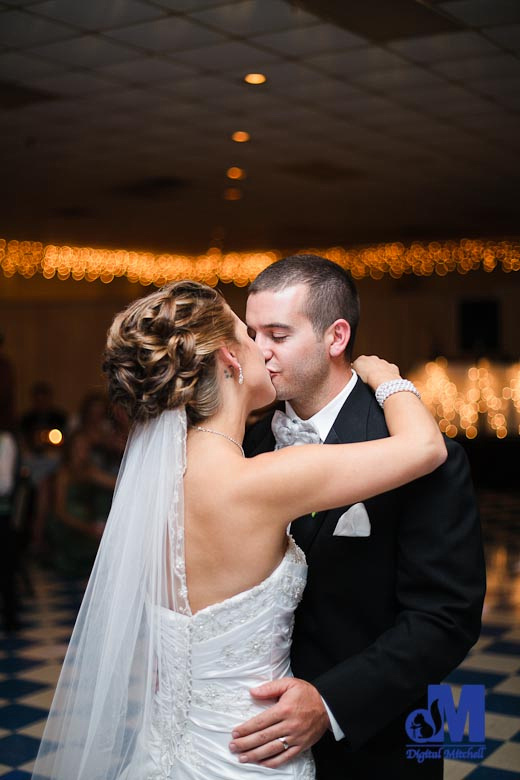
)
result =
(191, 599)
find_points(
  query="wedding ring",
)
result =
(284, 742)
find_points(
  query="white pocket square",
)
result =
(353, 522)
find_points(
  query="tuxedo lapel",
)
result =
(266, 444)
(349, 426)
(351, 423)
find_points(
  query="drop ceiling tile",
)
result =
(393, 115)
(253, 17)
(304, 41)
(203, 88)
(367, 105)
(453, 140)
(168, 35)
(20, 29)
(88, 51)
(365, 138)
(425, 97)
(148, 70)
(298, 116)
(98, 14)
(16, 67)
(480, 67)
(498, 87)
(231, 55)
(136, 102)
(287, 74)
(507, 35)
(486, 121)
(424, 128)
(480, 13)
(317, 90)
(191, 5)
(511, 101)
(447, 46)
(362, 60)
(72, 84)
(243, 113)
(396, 78)
(54, 113)
(505, 131)
(469, 106)
(200, 116)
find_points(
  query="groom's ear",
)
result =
(337, 337)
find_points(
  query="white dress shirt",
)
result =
(323, 422)
(324, 419)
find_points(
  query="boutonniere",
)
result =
(313, 515)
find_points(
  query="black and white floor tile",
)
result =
(30, 659)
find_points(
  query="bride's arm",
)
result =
(297, 480)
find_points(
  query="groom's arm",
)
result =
(440, 589)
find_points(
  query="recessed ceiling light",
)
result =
(255, 78)
(235, 173)
(241, 137)
(232, 193)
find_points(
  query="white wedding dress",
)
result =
(149, 691)
(219, 654)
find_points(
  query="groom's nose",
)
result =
(265, 348)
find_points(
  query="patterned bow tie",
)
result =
(289, 431)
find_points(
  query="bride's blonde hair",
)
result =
(161, 351)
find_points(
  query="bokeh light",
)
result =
(480, 400)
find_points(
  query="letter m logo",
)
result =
(471, 708)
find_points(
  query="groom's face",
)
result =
(296, 358)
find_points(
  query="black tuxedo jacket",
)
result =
(383, 616)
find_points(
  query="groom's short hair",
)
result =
(331, 292)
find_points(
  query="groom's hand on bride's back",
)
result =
(297, 720)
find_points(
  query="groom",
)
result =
(396, 584)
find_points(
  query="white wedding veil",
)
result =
(103, 700)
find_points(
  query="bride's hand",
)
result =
(374, 370)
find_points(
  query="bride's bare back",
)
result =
(230, 545)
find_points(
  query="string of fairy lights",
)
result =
(28, 258)
(467, 401)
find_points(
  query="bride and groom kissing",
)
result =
(385, 577)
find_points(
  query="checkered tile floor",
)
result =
(30, 660)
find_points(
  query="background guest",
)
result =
(79, 508)
(9, 462)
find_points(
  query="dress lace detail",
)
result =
(219, 619)
(218, 655)
(169, 737)
(218, 698)
(259, 645)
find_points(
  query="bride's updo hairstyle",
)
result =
(161, 351)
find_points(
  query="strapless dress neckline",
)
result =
(209, 663)
(293, 554)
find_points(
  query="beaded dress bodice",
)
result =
(217, 655)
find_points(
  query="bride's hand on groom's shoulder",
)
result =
(374, 370)
(294, 723)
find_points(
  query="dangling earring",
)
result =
(240, 375)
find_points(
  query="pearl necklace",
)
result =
(225, 436)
